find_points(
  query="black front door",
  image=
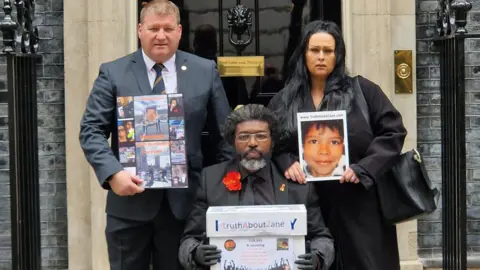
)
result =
(275, 32)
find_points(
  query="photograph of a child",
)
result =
(177, 129)
(125, 108)
(153, 164)
(127, 156)
(175, 105)
(126, 131)
(323, 145)
(151, 118)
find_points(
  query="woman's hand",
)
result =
(295, 173)
(349, 177)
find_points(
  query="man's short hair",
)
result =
(251, 112)
(160, 7)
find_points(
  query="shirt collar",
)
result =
(169, 64)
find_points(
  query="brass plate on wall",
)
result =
(241, 66)
(403, 72)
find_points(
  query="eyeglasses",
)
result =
(259, 137)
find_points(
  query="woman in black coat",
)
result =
(364, 241)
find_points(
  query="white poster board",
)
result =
(323, 144)
(257, 237)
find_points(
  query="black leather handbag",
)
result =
(405, 192)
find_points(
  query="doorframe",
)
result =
(132, 25)
(347, 31)
(91, 23)
(372, 31)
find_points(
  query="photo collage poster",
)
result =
(151, 138)
(323, 144)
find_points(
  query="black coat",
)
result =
(212, 192)
(352, 211)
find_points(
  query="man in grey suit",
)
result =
(144, 226)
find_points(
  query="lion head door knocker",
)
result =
(239, 20)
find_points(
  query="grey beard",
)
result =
(253, 165)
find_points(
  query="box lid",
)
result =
(256, 220)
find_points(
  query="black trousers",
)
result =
(134, 245)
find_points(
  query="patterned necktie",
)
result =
(159, 84)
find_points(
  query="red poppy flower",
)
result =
(232, 181)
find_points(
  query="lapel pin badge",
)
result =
(184, 68)
(282, 187)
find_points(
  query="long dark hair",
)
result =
(338, 93)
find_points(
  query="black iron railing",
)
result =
(451, 22)
(22, 123)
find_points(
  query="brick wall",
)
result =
(473, 132)
(428, 105)
(51, 132)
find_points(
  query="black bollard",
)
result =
(23, 136)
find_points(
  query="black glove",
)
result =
(207, 255)
(308, 261)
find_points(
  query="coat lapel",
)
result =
(140, 72)
(181, 63)
(280, 186)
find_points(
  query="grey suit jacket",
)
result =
(204, 100)
(212, 192)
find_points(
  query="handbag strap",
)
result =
(363, 106)
(361, 102)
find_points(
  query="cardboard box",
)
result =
(257, 237)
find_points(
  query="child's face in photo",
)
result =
(124, 101)
(151, 114)
(122, 134)
(323, 149)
